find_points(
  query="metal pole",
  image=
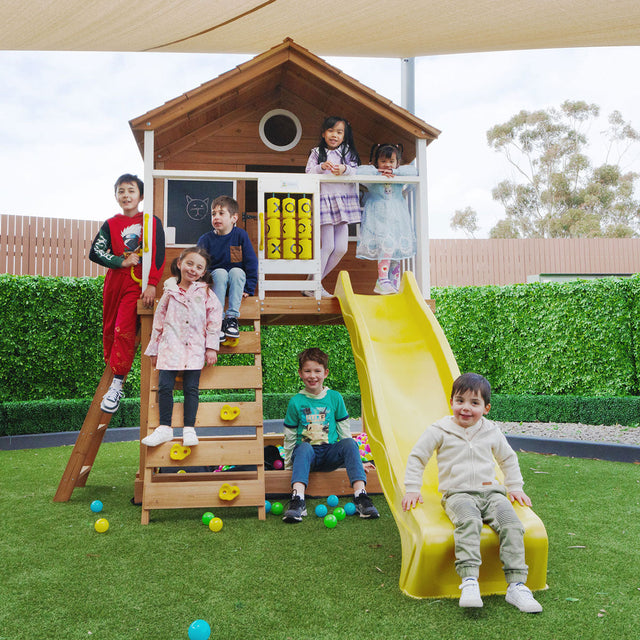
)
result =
(408, 88)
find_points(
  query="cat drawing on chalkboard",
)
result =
(197, 208)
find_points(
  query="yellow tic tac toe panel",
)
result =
(406, 370)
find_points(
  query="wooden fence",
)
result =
(59, 247)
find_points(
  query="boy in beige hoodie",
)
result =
(466, 445)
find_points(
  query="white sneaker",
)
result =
(470, 593)
(519, 595)
(160, 435)
(111, 399)
(189, 437)
(384, 287)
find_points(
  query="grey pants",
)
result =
(468, 511)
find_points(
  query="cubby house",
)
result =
(240, 134)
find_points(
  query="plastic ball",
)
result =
(199, 630)
(96, 506)
(349, 508)
(207, 517)
(215, 524)
(321, 510)
(101, 525)
(278, 464)
(332, 501)
(277, 508)
(267, 506)
(339, 513)
(330, 521)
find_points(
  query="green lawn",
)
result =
(62, 580)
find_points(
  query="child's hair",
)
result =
(175, 270)
(348, 145)
(129, 178)
(315, 354)
(472, 382)
(228, 203)
(385, 150)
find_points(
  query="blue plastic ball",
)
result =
(332, 501)
(199, 630)
(321, 510)
(96, 506)
(267, 506)
(349, 508)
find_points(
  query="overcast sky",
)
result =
(65, 137)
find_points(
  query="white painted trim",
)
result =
(280, 112)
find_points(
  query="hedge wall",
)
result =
(578, 338)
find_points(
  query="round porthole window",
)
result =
(280, 130)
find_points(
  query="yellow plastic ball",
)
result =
(215, 524)
(101, 525)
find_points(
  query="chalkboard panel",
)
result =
(189, 206)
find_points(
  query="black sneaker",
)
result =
(297, 508)
(231, 329)
(223, 329)
(365, 507)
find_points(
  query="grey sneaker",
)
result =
(470, 593)
(296, 510)
(519, 595)
(364, 506)
(111, 400)
(231, 329)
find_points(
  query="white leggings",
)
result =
(334, 241)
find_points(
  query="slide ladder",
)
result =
(229, 433)
(406, 369)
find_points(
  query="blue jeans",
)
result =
(190, 387)
(233, 280)
(327, 457)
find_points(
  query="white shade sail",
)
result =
(403, 28)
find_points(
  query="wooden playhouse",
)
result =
(248, 133)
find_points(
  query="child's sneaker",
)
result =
(160, 435)
(231, 329)
(365, 507)
(384, 287)
(519, 595)
(296, 509)
(223, 329)
(189, 437)
(111, 399)
(470, 593)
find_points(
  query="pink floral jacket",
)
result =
(184, 325)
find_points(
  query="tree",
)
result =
(465, 220)
(557, 192)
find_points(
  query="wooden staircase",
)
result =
(238, 441)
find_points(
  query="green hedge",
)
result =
(49, 416)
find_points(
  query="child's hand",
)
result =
(211, 356)
(154, 361)
(387, 172)
(368, 466)
(327, 166)
(148, 295)
(245, 294)
(338, 169)
(520, 497)
(411, 499)
(131, 260)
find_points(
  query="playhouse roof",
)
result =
(288, 72)
(404, 28)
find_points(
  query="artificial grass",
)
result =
(61, 579)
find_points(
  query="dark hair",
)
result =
(226, 202)
(348, 146)
(315, 354)
(129, 178)
(472, 382)
(206, 276)
(385, 150)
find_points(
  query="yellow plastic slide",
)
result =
(406, 369)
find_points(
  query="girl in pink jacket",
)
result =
(185, 336)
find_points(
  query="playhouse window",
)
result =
(280, 130)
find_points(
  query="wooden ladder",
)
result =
(201, 489)
(87, 443)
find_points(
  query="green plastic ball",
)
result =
(339, 513)
(330, 521)
(207, 517)
(277, 508)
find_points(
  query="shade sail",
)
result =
(403, 28)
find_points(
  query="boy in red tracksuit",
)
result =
(118, 246)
